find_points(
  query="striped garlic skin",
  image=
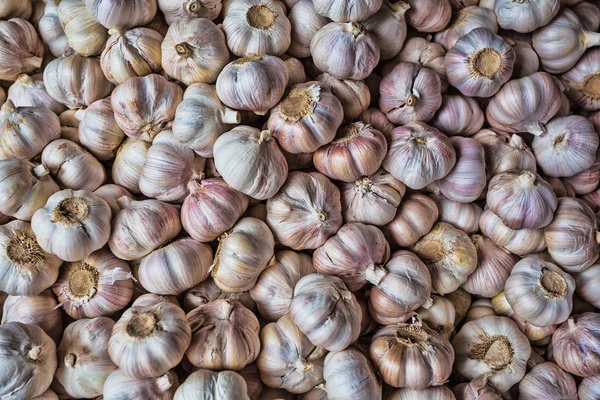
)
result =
(480, 308)
(414, 218)
(305, 22)
(589, 388)
(589, 14)
(586, 283)
(175, 10)
(52, 32)
(295, 69)
(47, 395)
(476, 389)
(547, 379)
(587, 181)
(119, 386)
(354, 95)
(23, 49)
(86, 36)
(254, 386)
(349, 373)
(458, 116)
(520, 241)
(581, 81)
(429, 15)
(116, 14)
(207, 291)
(574, 345)
(527, 16)
(466, 19)
(344, 11)
(504, 152)
(98, 130)
(376, 118)
(129, 162)
(388, 25)
(527, 61)
(15, 9)
(224, 385)
(29, 91)
(461, 300)
(41, 310)
(431, 393)
(464, 216)
(439, 314)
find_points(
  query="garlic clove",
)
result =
(86, 36)
(204, 383)
(29, 91)
(547, 379)
(439, 314)
(305, 22)
(414, 218)
(517, 241)
(504, 152)
(388, 25)
(431, 393)
(16, 9)
(429, 15)
(344, 11)
(589, 388)
(479, 309)
(354, 95)
(52, 32)
(128, 164)
(115, 14)
(119, 385)
(464, 216)
(458, 116)
(98, 130)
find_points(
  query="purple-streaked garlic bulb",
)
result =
(176, 10)
(467, 180)
(589, 388)
(575, 344)
(464, 216)
(111, 193)
(347, 373)
(504, 152)
(129, 163)
(589, 15)
(295, 68)
(377, 119)
(347, 10)
(547, 379)
(583, 81)
(388, 25)
(465, 21)
(22, 49)
(354, 95)
(414, 217)
(479, 63)
(527, 61)
(586, 284)
(29, 91)
(41, 310)
(116, 14)
(525, 16)
(429, 15)
(431, 393)
(305, 23)
(519, 241)
(458, 116)
(98, 130)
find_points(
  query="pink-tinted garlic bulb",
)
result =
(589, 388)
(128, 164)
(354, 95)
(176, 10)
(504, 152)
(207, 291)
(111, 193)
(98, 130)
(347, 10)
(429, 15)
(583, 81)
(561, 187)
(388, 25)
(519, 241)
(547, 379)
(527, 61)
(479, 63)
(458, 116)
(410, 93)
(525, 16)
(464, 216)
(305, 23)
(477, 389)
(378, 120)
(22, 49)
(415, 217)
(29, 91)
(465, 21)
(575, 344)
(467, 180)
(587, 181)
(295, 68)
(589, 14)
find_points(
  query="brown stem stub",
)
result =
(245, 60)
(412, 335)
(553, 283)
(260, 17)
(70, 211)
(24, 251)
(485, 63)
(495, 351)
(83, 281)
(591, 86)
(183, 49)
(142, 324)
(297, 105)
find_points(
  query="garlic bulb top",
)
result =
(204, 384)
(23, 50)
(116, 14)
(388, 25)
(467, 180)
(581, 81)
(305, 22)
(207, 291)
(344, 11)
(547, 379)
(525, 16)
(86, 36)
(574, 345)
(119, 386)
(29, 91)
(465, 20)
(176, 10)
(504, 152)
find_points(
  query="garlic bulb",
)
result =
(83, 362)
(205, 385)
(477, 389)
(388, 26)
(326, 312)
(355, 254)
(29, 359)
(76, 81)
(119, 386)
(587, 181)
(589, 15)
(318, 392)
(111, 193)
(467, 180)
(237, 83)
(201, 118)
(375, 117)
(589, 388)
(415, 217)
(458, 116)
(22, 49)
(479, 63)
(41, 310)
(439, 314)
(69, 126)
(344, 11)
(480, 308)
(116, 14)
(504, 152)
(287, 359)
(144, 106)
(206, 291)
(176, 10)
(16, 9)
(586, 283)
(520, 241)
(461, 300)
(581, 81)
(562, 42)
(349, 373)
(24, 188)
(410, 93)
(547, 379)
(25, 131)
(449, 255)
(305, 212)
(254, 386)
(464, 216)
(431, 393)
(345, 50)
(574, 344)
(304, 22)
(495, 346)
(307, 118)
(527, 61)
(411, 355)
(128, 164)
(52, 31)
(274, 288)
(354, 95)
(245, 157)
(466, 19)
(494, 265)
(219, 319)
(147, 341)
(418, 155)
(29, 91)
(525, 16)
(429, 15)
(86, 36)
(131, 53)
(98, 130)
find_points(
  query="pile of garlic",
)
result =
(299, 199)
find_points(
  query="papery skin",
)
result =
(111, 193)
(350, 373)
(429, 15)
(589, 388)
(86, 36)
(586, 283)
(98, 130)
(458, 116)
(388, 25)
(467, 180)
(589, 14)
(129, 162)
(575, 345)
(480, 308)
(461, 300)
(16, 9)
(439, 314)
(464, 216)
(41, 310)
(69, 128)
(504, 152)
(176, 10)
(527, 16)
(29, 91)
(353, 94)
(467, 19)
(47, 395)
(414, 217)
(344, 11)
(52, 32)
(477, 389)
(547, 379)
(587, 181)
(432, 392)
(527, 61)
(207, 291)
(118, 386)
(224, 385)
(254, 386)
(305, 23)
(22, 49)
(581, 81)
(519, 241)
(116, 14)
(375, 117)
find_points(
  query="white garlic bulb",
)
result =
(129, 163)
(116, 14)
(526, 16)
(467, 180)
(29, 91)
(119, 386)
(16, 9)
(98, 130)
(176, 10)
(586, 283)
(415, 217)
(354, 95)
(458, 116)
(305, 22)
(23, 49)
(581, 81)
(52, 31)
(517, 241)
(86, 36)
(348, 374)
(589, 388)
(547, 379)
(388, 25)
(204, 385)
(465, 20)
(504, 152)
(464, 216)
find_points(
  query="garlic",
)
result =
(429, 15)
(131, 53)
(562, 42)
(307, 118)
(48, 394)
(495, 346)
(464, 216)
(144, 106)
(467, 19)
(354, 95)
(587, 181)
(287, 359)
(520, 241)
(430, 393)
(76, 81)
(83, 362)
(219, 319)
(461, 301)
(350, 374)
(254, 386)
(16, 9)
(479, 309)
(547, 379)
(345, 49)
(204, 385)
(29, 91)
(52, 31)
(527, 61)
(295, 68)
(40, 310)
(116, 14)
(589, 388)
(69, 126)
(388, 25)
(344, 11)
(98, 130)
(25, 131)
(119, 386)
(318, 392)
(494, 265)
(505, 152)
(150, 299)
(582, 81)
(377, 119)
(111, 193)
(415, 216)
(410, 93)
(458, 116)
(326, 312)
(439, 314)
(22, 49)
(86, 36)
(525, 16)
(449, 255)
(586, 284)
(305, 22)
(147, 341)
(29, 360)
(427, 151)
(467, 180)
(574, 344)
(128, 164)
(201, 112)
(141, 227)
(478, 388)
(176, 10)
(245, 157)
(274, 288)
(411, 355)
(24, 188)
(206, 291)
(589, 15)
(355, 254)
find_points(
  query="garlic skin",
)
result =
(76, 81)
(52, 32)
(147, 341)
(465, 20)
(129, 163)
(176, 10)
(589, 15)
(418, 155)
(354, 95)
(388, 25)
(86, 36)
(245, 157)
(461, 300)
(144, 106)
(586, 283)
(375, 117)
(480, 308)
(429, 15)
(25, 131)
(115, 14)
(29, 91)
(24, 188)
(307, 118)
(274, 288)
(69, 126)
(22, 48)
(326, 312)
(349, 373)
(411, 355)
(477, 389)
(131, 53)
(288, 360)
(589, 388)
(439, 314)
(304, 22)
(16, 9)
(467, 180)
(574, 342)
(98, 130)
(47, 395)
(581, 81)
(547, 379)
(372, 200)
(41, 310)
(201, 118)
(432, 393)
(30, 355)
(415, 216)
(464, 216)
(458, 116)
(527, 61)
(479, 63)
(205, 384)
(207, 291)
(410, 93)
(119, 386)
(494, 265)
(526, 16)
(345, 50)
(305, 212)
(83, 362)
(505, 152)
(587, 181)
(520, 242)
(344, 11)
(111, 193)
(318, 392)
(492, 345)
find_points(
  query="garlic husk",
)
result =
(527, 16)
(128, 164)
(111, 193)
(589, 388)
(354, 95)
(527, 61)
(147, 341)
(30, 356)
(429, 15)
(52, 32)
(116, 14)
(388, 25)
(477, 389)
(207, 291)
(215, 321)
(305, 22)
(574, 345)
(430, 393)
(98, 130)
(349, 373)
(326, 312)
(83, 362)
(131, 53)
(586, 283)
(119, 386)
(519, 241)
(480, 308)
(504, 152)
(464, 216)
(224, 385)
(494, 265)
(547, 379)
(344, 11)
(23, 49)
(254, 386)
(305, 212)
(439, 314)
(86, 36)
(461, 300)
(175, 10)
(414, 217)
(582, 81)
(587, 181)
(458, 116)
(467, 19)
(492, 345)
(29, 91)
(16, 9)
